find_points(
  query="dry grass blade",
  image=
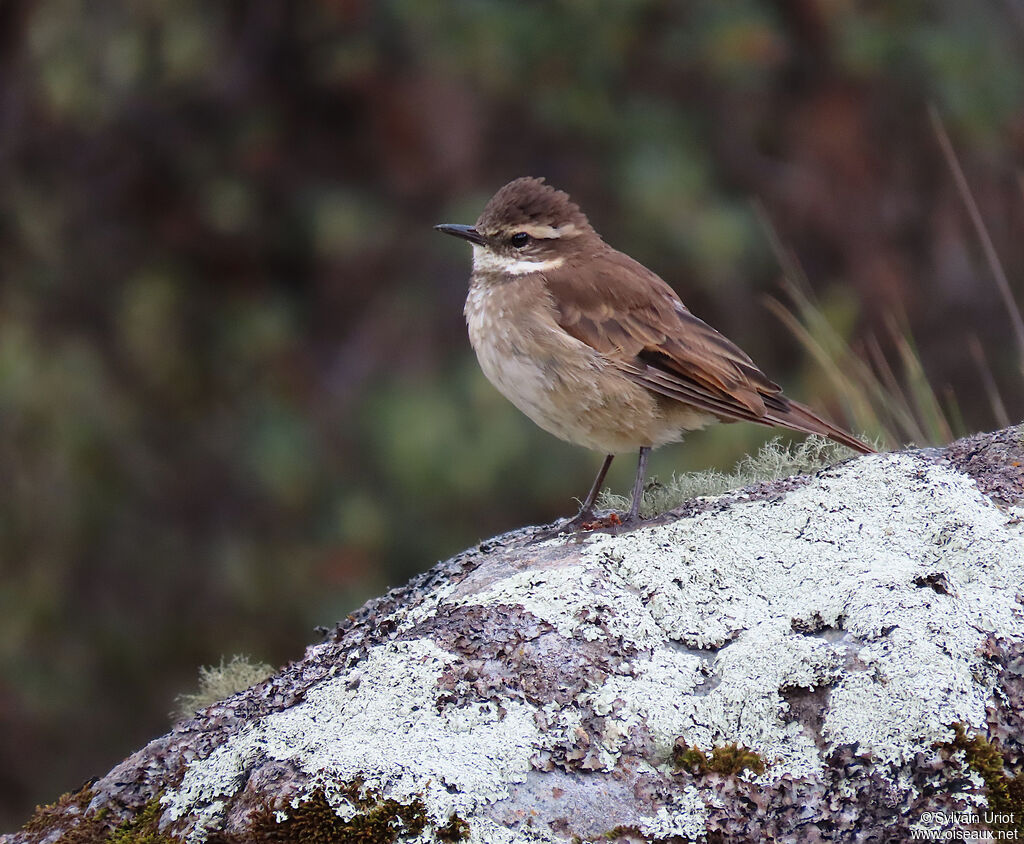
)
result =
(904, 408)
(988, 382)
(809, 330)
(899, 414)
(991, 256)
(928, 409)
(812, 328)
(953, 412)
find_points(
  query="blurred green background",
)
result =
(236, 395)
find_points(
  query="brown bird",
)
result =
(597, 349)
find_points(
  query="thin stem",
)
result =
(988, 382)
(991, 256)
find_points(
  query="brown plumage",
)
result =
(630, 315)
(595, 347)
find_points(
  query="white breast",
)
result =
(566, 387)
(508, 350)
(557, 381)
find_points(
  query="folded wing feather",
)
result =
(637, 321)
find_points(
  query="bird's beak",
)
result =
(465, 232)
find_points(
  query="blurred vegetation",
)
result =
(236, 397)
(217, 682)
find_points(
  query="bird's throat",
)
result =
(486, 262)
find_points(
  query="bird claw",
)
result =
(587, 521)
(631, 521)
(612, 520)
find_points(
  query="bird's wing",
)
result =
(629, 314)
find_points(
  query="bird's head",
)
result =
(527, 226)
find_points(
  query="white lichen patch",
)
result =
(578, 600)
(742, 706)
(686, 817)
(762, 583)
(661, 695)
(485, 831)
(381, 725)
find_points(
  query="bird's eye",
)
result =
(519, 239)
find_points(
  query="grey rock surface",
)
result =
(836, 626)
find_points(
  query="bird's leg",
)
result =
(586, 512)
(638, 486)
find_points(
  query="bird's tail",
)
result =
(796, 417)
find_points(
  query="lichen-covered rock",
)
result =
(837, 657)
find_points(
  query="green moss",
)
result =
(315, 821)
(144, 828)
(455, 830)
(729, 760)
(1004, 789)
(71, 815)
(376, 821)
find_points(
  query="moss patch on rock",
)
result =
(631, 835)
(1004, 789)
(455, 830)
(144, 828)
(377, 821)
(70, 812)
(316, 821)
(70, 816)
(729, 760)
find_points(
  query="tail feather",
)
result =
(796, 417)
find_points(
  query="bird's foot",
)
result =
(630, 521)
(594, 522)
(587, 521)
